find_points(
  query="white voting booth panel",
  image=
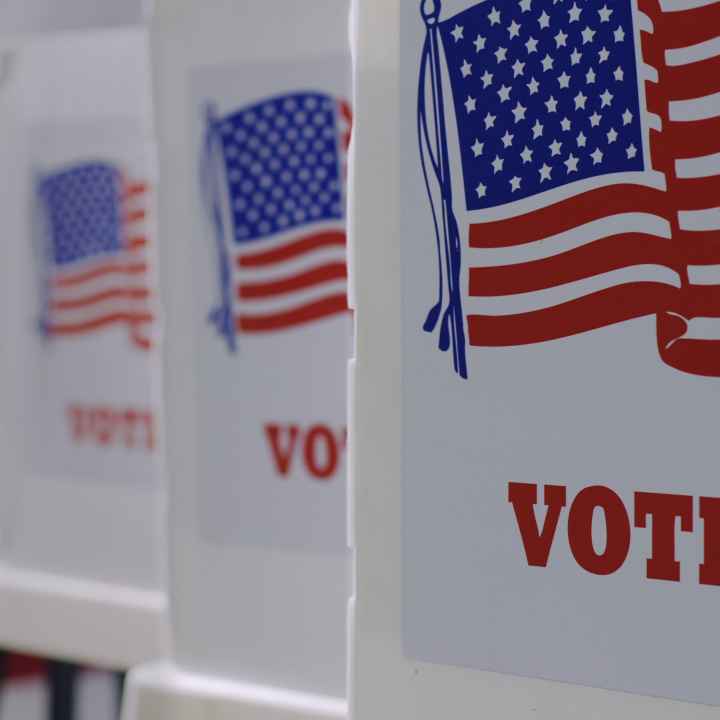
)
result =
(81, 530)
(29, 17)
(252, 101)
(533, 452)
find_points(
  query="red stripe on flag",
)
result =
(699, 248)
(300, 281)
(347, 115)
(696, 193)
(694, 301)
(605, 255)
(310, 312)
(137, 243)
(686, 82)
(683, 27)
(95, 323)
(600, 309)
(568, 214)
(133, 216)
(133, 190)
(692, 139)
(292, 249)
(119, 293)
(109, 269)
(137, 337)
(699, 357)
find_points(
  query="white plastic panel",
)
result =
(23, 17)
(258, 551)
(449, 619)
(82, 571)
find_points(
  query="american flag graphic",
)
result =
(96, 250)
(588, 137)
(274, 181)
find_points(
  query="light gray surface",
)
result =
(250, 613)
(29, 16)
(386, 682)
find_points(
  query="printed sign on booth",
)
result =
(273, 321)
(94, 350)
(561, 336)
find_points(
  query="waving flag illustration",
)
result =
(587, 145)
(95, 248)
(273, 178)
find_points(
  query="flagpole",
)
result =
(453, 321)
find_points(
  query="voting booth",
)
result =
(22, 18)
(82, 520)
(254, 117)
(536, 384)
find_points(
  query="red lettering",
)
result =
(130, 418)
(282, 454)
(664, 509)
(103, 425)
(106, 426)
(148, 420)
(710, 513)
(580, 525)
(537, 543)
(321, 436)
(76, 417)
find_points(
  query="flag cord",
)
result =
(222, 316)
(452, 324)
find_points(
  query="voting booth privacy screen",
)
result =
(254, 119)
(536, 204)
(32, 17)
(506, 228)
(83, 495)
(275, 328)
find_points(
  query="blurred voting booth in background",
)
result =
(30, 17)
(81, 493)
(35, 689)
(254, 117)
(536, 385)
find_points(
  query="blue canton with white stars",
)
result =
(283, 165)
(83, 212)
(545, 94)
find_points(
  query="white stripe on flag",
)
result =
(700, 220)
(290, 301)
(572, 239)
(100, 309)
(701, 108)
(705, 166)
(105, 283)
(703, 329)
(549, 297)
(704, 274)
(678, 5)
(645, 24)
(293, 266)
(693, 53)
(649, 73)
